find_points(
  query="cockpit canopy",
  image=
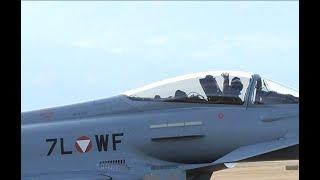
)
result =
(269, 92)
(213, 87)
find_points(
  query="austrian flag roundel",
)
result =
(83, 144)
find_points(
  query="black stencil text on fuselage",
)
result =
(84, 143)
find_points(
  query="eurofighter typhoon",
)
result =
(184, 128)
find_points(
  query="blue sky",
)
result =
(78, 51)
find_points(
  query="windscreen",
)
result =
(270, 92)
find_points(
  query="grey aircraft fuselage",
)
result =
(118, 138)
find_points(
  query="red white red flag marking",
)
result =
(83, 144)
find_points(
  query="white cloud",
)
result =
(203, 54)
(186, 35)
(216, 49)
(252, 43)
(117, 50)
(91, 78)
(90, 43)
(157, 40)
(44, 78)
(264, 42)
(86, 43)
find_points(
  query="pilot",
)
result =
(259, 92)
(234, 89)
(180, 95)
(157, 97)
(210, 86)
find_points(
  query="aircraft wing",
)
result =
(245, 152)
(249, 151)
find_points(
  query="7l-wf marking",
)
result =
(83, 144)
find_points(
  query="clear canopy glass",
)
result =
(270, 92)
(213, 87)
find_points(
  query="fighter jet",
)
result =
(184, 128)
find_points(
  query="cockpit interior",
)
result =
(216, 88)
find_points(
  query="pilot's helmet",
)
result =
(180, 94)
(236, 84)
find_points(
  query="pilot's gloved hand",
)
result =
(225, 75)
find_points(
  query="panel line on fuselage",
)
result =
(176, 124)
